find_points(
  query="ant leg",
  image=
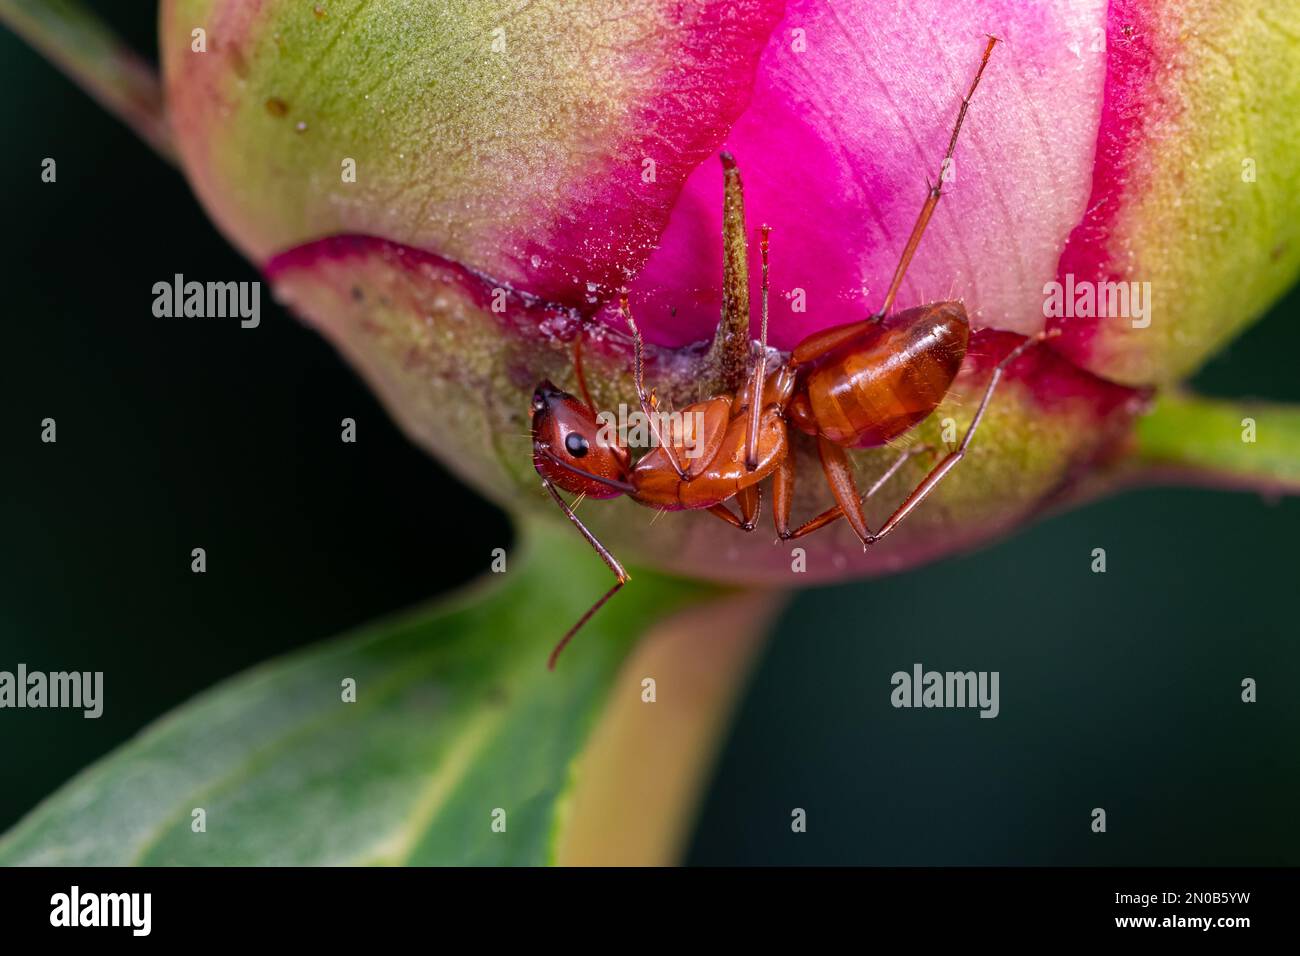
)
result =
(783, 494)
(932, 200)
(828, 516)
(725, 513)
(750, 500)
(610, 561)
(760, 369)
(835, 512)
(949, 462)
(839, 475)
(648, 405)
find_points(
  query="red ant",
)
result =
(859, 385)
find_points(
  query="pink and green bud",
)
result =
(456, 194)
(452, 193)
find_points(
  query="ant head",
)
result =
(570, 449)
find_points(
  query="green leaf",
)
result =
(1235, 443)
(456, 716)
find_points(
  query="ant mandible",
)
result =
(858, 385)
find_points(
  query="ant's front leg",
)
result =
(950, 461)
(932, 195)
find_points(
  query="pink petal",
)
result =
(528, 165)
(837, 145)
(1195, 102)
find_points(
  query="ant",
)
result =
(858, 385)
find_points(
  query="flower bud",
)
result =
(454, 194)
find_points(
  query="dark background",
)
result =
(1118, 690)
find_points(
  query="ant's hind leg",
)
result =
(949, 462)
(932, 196)
(610, 561)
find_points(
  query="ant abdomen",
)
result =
(863, 384)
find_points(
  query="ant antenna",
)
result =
(605, 555)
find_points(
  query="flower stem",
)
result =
(87, 50)
(641, 776)
(1224, 443)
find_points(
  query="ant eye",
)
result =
(576, 445)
